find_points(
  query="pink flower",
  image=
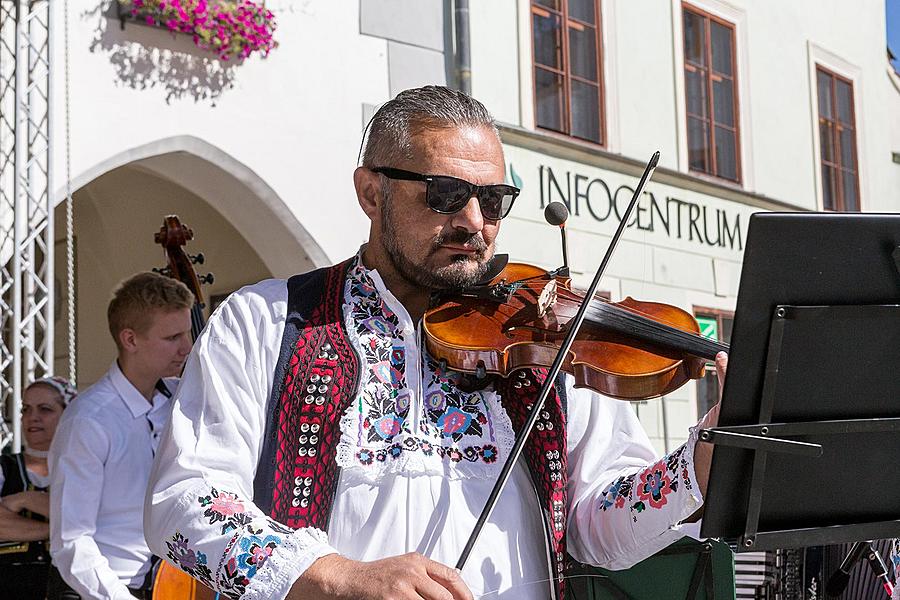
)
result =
(227, 504)
(231, 29)
(260, 554)
(388, 426)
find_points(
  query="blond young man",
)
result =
(101, 456)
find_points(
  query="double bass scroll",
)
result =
(170, 583)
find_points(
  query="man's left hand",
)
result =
(703, 450)
(721, 367)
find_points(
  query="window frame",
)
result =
(735, 96)
(839, 201)
(533, 5)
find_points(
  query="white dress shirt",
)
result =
(100, 462)
(417, 460)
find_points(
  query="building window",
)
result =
(716, 325)
(710, 82)
(568, 93)
(837, 142)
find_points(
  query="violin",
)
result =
(525, 317)
(169, 582)
(630, 350)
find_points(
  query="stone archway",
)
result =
(244, 230)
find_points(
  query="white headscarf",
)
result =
(65, 387)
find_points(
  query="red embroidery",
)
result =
(320, 379)
(546, 456)
(319, 384)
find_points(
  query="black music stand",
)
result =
(808, 444)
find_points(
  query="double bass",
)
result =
(170, 583)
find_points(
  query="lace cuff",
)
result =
(667, 487)
(287, 563)
(694, 499)
(640, 513)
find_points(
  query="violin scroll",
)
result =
(173, 236)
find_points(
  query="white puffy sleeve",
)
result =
(199, 512)
(626, 504)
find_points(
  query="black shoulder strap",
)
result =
(23, 470)
(560, 386)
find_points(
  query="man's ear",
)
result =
(127, 340)
(368, 191)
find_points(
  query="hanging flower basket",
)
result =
(233, 30)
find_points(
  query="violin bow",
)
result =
(554, 371)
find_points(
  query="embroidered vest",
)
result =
(317, 377)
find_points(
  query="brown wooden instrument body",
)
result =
(505, 336)
(170, 583)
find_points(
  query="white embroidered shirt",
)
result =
(418, 459)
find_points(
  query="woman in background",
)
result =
(24, 502)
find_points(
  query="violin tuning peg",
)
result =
(198, 259)
(209, 278)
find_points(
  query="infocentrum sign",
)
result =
(596, 199)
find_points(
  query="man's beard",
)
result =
(454, 275)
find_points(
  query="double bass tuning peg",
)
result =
(198, 259)
(166, 271)
(209, 278)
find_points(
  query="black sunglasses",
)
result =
(447, 195)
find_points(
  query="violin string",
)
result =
(653, 330)
(635, 311)
(686, 335)
(632, 321)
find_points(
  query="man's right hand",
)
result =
(410, 576)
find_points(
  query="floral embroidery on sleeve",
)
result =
(254, 539)
(648, 488)
(191, 562)
(225, 507)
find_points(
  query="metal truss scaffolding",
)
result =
(26, 214)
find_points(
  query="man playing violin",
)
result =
(317, 450)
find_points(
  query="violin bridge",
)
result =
(547, 298)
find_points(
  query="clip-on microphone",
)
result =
(556, 213)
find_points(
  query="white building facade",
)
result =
(257, 156)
